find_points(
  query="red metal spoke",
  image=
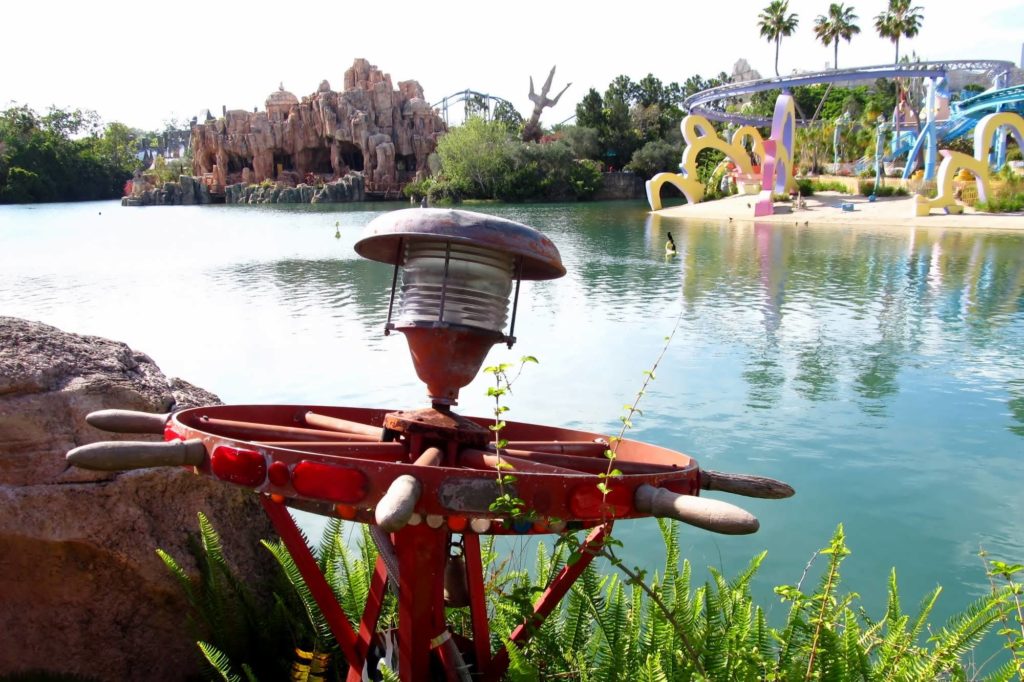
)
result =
(322, 421)
(315, 581)
(547, 602)
(477, 600)
(371, 616)
(242, 429)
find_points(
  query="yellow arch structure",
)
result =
(698, 135)
(977, 165)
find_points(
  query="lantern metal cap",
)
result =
(381, 237)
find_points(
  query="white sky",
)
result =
(143, 62)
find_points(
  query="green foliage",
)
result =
(240, 638)
(658, 156)
(1007, 194)
(60, 156)
(669, 628)
(475, 157)
(582, 141)
(867, 188)
(1013, 621)
(1002, 204)
(837, 24)
(899, 20)
(631, 114)
(482, 160)
(507, 115)
(169, 171)
(506, 503)
(774, 23)
(224, 613)
(808, 186)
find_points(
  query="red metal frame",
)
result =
(305, 464)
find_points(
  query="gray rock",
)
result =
(188, 190)
(83, 589)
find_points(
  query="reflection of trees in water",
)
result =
(356, 288)
(884, 294)
(877, 369)
(765, 379)
(1016, 405)
(816, 369)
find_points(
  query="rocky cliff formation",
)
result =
(83, 590)
(371, 127)
(190, 191)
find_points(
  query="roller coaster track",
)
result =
(963, 117)
(466, 96)
(703, 103)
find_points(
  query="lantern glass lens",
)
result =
(475, 294)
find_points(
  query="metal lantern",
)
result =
(458, 271)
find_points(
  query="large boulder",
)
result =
(83, 590)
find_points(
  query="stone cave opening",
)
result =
(405, 162)
(283, 162)
(236, 164)
(320, 161)
(351, 156)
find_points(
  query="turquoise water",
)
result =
(879, 371)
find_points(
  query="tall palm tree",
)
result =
(775, 23)
(899, 20)
(838, 23)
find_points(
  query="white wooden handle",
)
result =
(713, 515)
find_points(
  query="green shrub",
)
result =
(830, 186)
(868, 188)
(805, 186)
(635, 627)
(658, 156)
(1002, 204)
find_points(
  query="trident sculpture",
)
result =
(531, 131)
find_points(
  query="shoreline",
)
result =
(824, 208)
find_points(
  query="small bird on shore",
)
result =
(337, 229)
(670, 246)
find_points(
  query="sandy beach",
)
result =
(825, 209)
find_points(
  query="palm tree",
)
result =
(776, 24)
(838, 23)
(900, 20)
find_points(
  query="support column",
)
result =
(422, 553)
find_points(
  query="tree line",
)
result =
(63, 155)
(634, 125)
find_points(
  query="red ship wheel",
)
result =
(421, 477)
(418, 477)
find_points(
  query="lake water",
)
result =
(879, 371)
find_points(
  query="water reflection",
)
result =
(356, 289)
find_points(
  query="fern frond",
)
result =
(961, 633)
(181, 576)
(321, 629)
(218, 662)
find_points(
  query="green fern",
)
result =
(218, 662)
(961, 633)
(320, 630)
